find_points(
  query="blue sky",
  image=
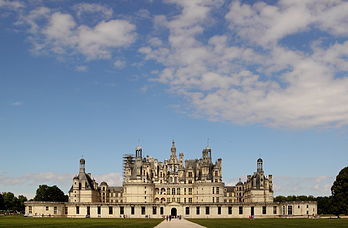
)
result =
(95, 78)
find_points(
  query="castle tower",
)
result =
(173, 151)
(138, 152)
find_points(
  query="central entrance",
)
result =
(173, 212)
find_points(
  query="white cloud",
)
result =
(60, 34)
(93, 9)
(81, 68)
(17, 103)
(260, 81)
(317, 186)
(11, 4)
(119, 64)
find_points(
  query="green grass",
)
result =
(269, 223)
(20, 221)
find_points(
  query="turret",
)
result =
(173, 151)
(259, 165)
(82, 165)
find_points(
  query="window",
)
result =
(190, 191)
(219, 210)
(274, 210)
(289, 210)
(178, 200)
(47, 207)
(184, 191)
(168, 200)
(154, 210)
(98, 210)
(263, 210)
(30, 209)
(132, 210)
(240, 210)
(168, 191)
(66, 210)
(121, 210)
(178, 191)
(88, 210)
(77, 210)
(216, 173)
(190, 200)
(217, 199)
(143, 210)
(213, 191)
(230, 210)
(187, 210)
(110, 210)
(307, 206)
(197, 210)
(162, 210)
(190, 174)
(173, 191)
(217, 190)
(207, 210)
(55, 210)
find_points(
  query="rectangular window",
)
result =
(66, 210)
(30, 209)
(207, 210)
(213, 191)
(178, 191)
(187, 210)
(197, 210)
(240, 210)
(110, 210)
(154, 210)
(178, 200)
(121, 210)
(190, 200)
(217, 190)
(132, 210)
(219, 210)
(217, 199)
(55, 210)
(143, 210)
(47, 207)
(289, 210)
(190, 191)
(184, 191)
(168, 200)
(190, 174)
(98, 210)
(77, 210)
(173, 191)
(274, 210)
(230, 210)
(88, 210)
(162, 210)
(264, 210)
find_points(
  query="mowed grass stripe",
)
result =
(19, 221)
(270, 223)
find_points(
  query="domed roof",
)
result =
(82, 161)
(103, 183)
(259, 160)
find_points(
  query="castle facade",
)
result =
(190, 188)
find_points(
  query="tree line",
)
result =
(335, 204)
(9, 202)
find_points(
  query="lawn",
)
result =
(269, 223)
(20, 221)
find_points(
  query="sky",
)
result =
(251, 79)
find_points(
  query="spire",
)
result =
(173, 150)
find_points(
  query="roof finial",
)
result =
(173, 143)
(208, 142)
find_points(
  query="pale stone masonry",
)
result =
(190, 188)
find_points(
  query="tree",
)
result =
(339, 192)
(9, 199)
(2, 205)
(50, 193)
